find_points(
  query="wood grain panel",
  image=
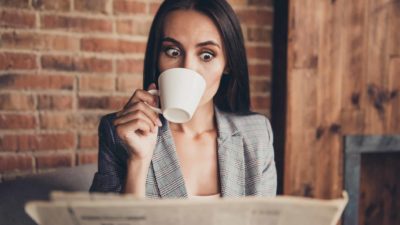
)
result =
(393, 44)
(304, 47)
(328, 105)
(394, 107)
(343, 78)
(377, 66)
(393, 29)
(299, 150)
(354, 54)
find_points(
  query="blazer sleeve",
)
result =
(111, 169)
(269, 177)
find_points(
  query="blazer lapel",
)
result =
(231, 165)
(230, 157)
(166, 167)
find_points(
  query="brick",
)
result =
(130, 66)
(88, 121)
(260, 86)
(8, 143)
(259, 34)
(95, 6)
(9, 61)
(62, 121)
(67, 63)
(260, 102)
(23, 142)
(54, 102)
(12, 121)
(36, 82)
(55, 160)
(15, 3)
(87, 141)
(34, 41)
(56, 141)
(57, 5)
(154, 6)
(125, 26)
(17, 19)
(37, 142)
(129, 83)
(129, 7)
(16, 101)
(58, 42)
(269, 3)
(10, 163)
(95, 102)
(139, 27)
(96, 83)
(238, 2)
(76, 24)
(259, 52)
(19, 40)
(264, 70)
(112, 45)
(260, 17)
(57, 120)
(87, 157)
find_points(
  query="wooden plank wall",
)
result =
(343, 78)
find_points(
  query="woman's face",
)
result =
(191, 40)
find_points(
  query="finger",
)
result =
(136, 125)
(138, 96)
(145, 126)
(132, 116)
(141, 106)
(141, 96)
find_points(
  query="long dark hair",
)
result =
(233, 94)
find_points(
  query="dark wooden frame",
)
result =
(278, 84)
(354, 147)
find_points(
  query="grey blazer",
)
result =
(245, 159)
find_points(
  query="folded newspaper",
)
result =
(111, 209)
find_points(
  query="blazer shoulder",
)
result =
(106, 129)
(252, 125)
(107, 119)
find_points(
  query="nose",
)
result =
(189, 62)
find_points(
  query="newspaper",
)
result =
(112, 209)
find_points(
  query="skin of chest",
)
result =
(198, 160)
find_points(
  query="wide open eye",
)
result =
(172, 52)
(206, 56)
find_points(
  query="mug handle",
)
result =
(154, 92)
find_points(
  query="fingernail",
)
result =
(159, 123)
(152, 85)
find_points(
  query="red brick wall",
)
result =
(64, 63)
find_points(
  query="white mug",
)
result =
(180, 91)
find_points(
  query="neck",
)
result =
(202, 121)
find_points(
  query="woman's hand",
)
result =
(137, 125)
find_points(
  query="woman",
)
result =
(224, 150)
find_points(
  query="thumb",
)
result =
(153, 86)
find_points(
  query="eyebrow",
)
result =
(198, 45)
